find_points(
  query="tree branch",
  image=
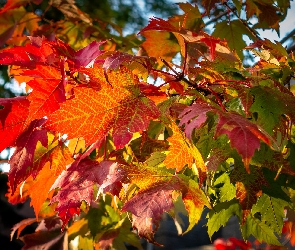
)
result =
(291, 48)
(292, 33)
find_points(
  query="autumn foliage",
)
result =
(107, 139)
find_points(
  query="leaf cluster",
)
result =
(106, 139)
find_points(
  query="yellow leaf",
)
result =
(180, 151)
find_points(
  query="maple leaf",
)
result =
(265, 96)
(164, 47)
(29, 55)
(105, 242)
(45, 240)
(194, 200)
(21, 193)
(118, 58)
(59, 158)
(181, 152)
(184, 36)
(148, 205)
(221, 214)
(21, 162)
(159, 24)
(92, 114)
(260, 230)
(272, 211)
(233, 31)
(12, 4)
(13, 115)
(88, 54)
(153, 92)
(19, 227)
(248, 187)
(244, 135)
(46, 53)
(48, 90)
(77, 184)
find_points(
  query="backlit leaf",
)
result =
(147, 207)
(92, 114)
(13, 115)
(194, 200)
(259, 229)
(19, 227)
(77, 184)
(272, 211)
(59, 158)
(179, 152)
(244, 136)
(21, 162)
(248, 187)
(48, 91)
(221, 214)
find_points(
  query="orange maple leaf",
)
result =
(48, 91)
(39, 190)
(181, 152)
(117, 106)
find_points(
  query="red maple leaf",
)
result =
(13, 115)
(88, 54)
(21, 162)
(148, 206)
(29, 55)
(249, 187)
(159, 24)
(244, 135)
(78, 181)
(48, 90)
(118, 58)
(12, 4)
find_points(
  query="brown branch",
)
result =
(292, 33)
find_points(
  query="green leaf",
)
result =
(271, 210)
(85, 243)
(127, 236)
(94, 217)
(221, 214)
(260, 230)
(156, 159)
(228, 191)
(271, 105)
(233, 33)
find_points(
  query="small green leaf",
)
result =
(94, 217)
(260, 230)
(223, 211)
(228, 191)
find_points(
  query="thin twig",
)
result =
(213, 20)
(292, 33)
(291, 48)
